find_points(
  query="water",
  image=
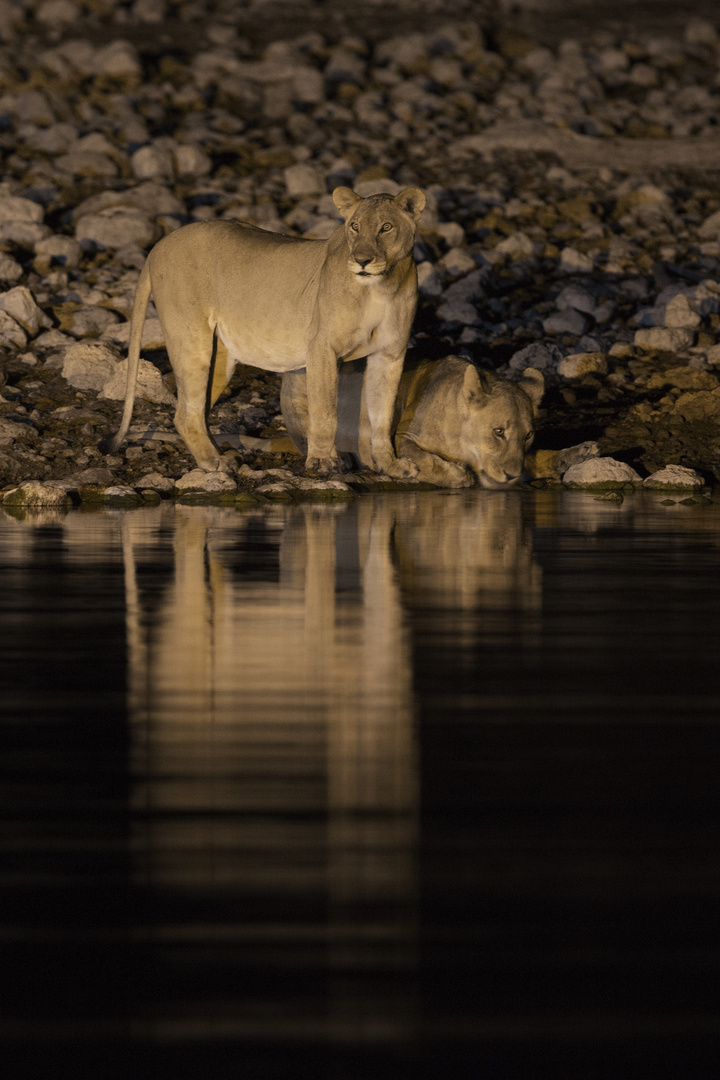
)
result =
(424, 785)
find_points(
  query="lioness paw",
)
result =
(399, 468)
(323, 467)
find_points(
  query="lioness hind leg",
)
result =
(192, 377)
(222, 371)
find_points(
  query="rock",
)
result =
(90, 321)
(572, 296)
(116, 227)
(34, 493)
(568, 321)
(456, 262)
(575, 455)
(302, 180)
(118, 495)
(153, 163)
(517, 246)
(10, 269)
(684, 378)
(96, 476)
(210, 482)
(678, 313)
(16, 209)
(600, 472)
(537, 355)
(11, 431)
(674, 476)
(12, 336)
(710, 228)
(20, 303)
(699, 405)
(152, 335)
(89, 366)
(149, 384)
(191, 161)
(156, 482)
(573, 261)
(86, 163)
(664, 339)
(429, 281)
(579, 364)
(63, 250)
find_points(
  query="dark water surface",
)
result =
(424, 785)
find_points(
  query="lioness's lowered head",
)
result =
(379, 230)
(474, 418)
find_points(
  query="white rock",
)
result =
(149, 384)
(456, 262)
(572, 261)
(572, 296)
(15, 208)
(303, 179)
(578, 364)
(10, 269)
(153, 163)
(199, 480)
(89, 366)
(91, 321)
(710, 227)
(20, 303)
(664, 339)
(116, 227)
(34, 493)
(120, 59)
(602, 470)
(152, 335)
(86, 163)
(678, 313)
(516, 246)
(10, 430)
(156, 481)
(674, 476)
(12, 336)
(191, 160)
(63, 249)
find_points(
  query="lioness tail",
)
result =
(111, 443)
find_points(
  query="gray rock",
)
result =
(61, 249)
(211, 482)
(10, 269)
(20, 303)
(542, 357)
(35, 493)
(156, 482)
(569, 321)
(89, 366)
(12, 336)
(116, 227)
(674, 476)
(584, 363)
(573, 296)
(600, 471)
(11, 431)
(665, 339)
(575, 455)
(91, 321)
(149, 384)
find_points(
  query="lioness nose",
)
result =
(362, 262)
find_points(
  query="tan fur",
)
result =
(237, 293)
(449, 419)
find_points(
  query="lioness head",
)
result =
(380, 230)
(497, 426)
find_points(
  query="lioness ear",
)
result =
(345, 200)
(412, 201)
(474, 387)
(533, 383)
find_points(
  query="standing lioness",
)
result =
(228, 292)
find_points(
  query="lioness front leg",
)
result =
(433, 469)
(322, 384)
(382, 378)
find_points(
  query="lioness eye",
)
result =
(529, 436)
(499, 431)
(354, 226)
(386, 227)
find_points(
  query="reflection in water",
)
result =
(389, 788)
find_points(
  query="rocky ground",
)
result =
(573, 218)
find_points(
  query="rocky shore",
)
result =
(573, 224)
